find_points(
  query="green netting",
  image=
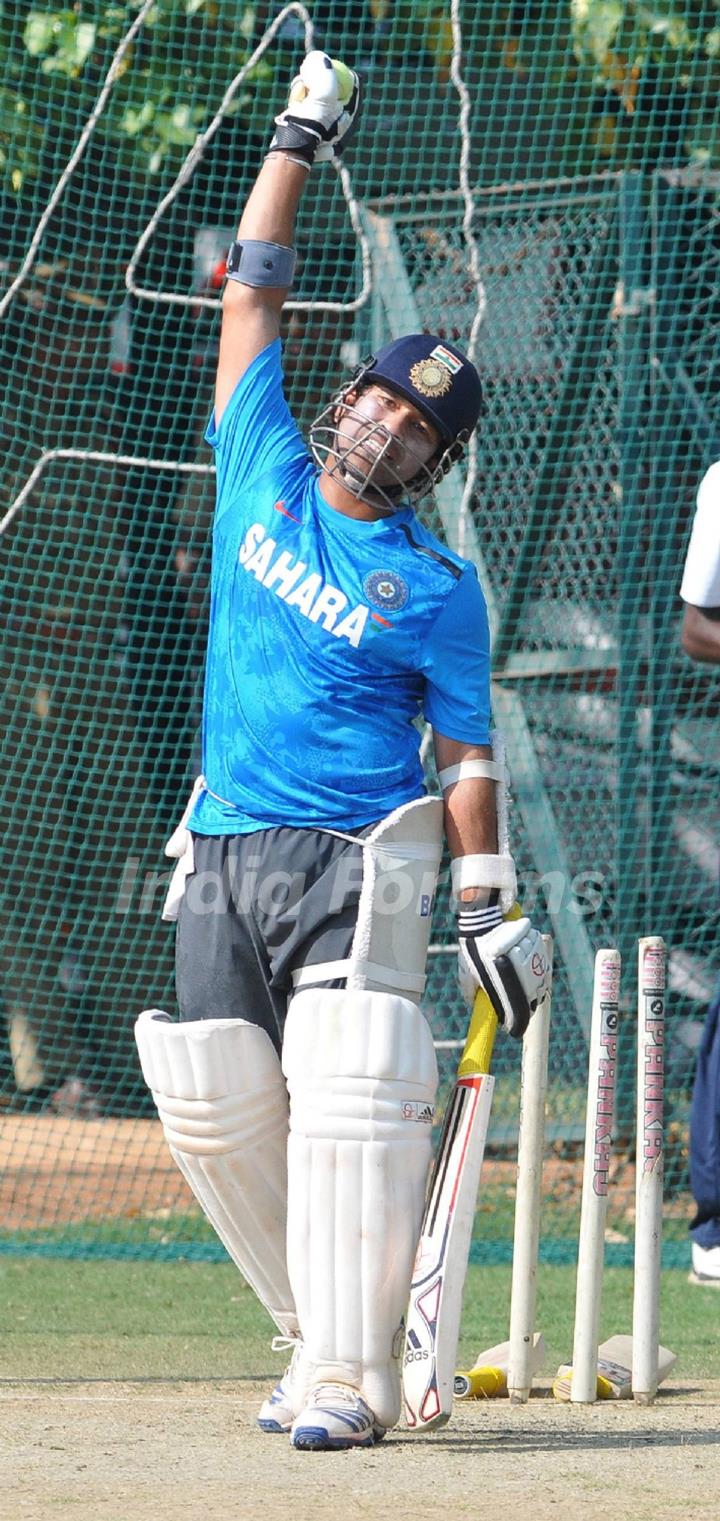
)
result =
(550, 168)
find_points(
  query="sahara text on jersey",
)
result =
(314, 598)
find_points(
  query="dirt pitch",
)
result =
(147, 1451)
(64, 1170)
(60, 1170)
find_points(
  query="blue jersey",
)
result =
(329, 636)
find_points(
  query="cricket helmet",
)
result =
(434, 376)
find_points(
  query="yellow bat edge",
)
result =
(480, 1039)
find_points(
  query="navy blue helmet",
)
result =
(436, 377)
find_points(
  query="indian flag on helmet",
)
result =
(444, 356)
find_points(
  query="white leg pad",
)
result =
(362, 1078)
(222, 1099)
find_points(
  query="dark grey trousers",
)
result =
(256, 908)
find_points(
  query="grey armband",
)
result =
(253, 262)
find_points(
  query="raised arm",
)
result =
(323, 101)
(251, 313)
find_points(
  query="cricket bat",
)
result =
(433, 1317)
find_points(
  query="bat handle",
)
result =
(480, 1037)
(482, 1029)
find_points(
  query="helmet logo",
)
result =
(385, 589)
(451, 361)
(431, 377)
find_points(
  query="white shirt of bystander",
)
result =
(701, 577)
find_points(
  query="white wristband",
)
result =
(483, 871)
(470, 768)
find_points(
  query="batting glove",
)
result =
(323, 103)
(506, 958)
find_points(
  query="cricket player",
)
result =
(700, 592)
(297, 1088)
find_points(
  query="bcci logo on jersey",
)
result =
(386, 590)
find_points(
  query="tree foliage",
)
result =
(665, 53)
(626, 62)
(53, 62)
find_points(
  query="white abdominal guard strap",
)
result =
(401, 859)
(486, 871)
(362, 1076)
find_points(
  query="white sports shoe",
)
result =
(277, 1412)
(705, 1265)
(335, 1416)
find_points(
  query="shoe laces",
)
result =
(344, 1394)
(284, 1344)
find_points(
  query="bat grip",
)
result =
(480, 1040)
(478, 1049)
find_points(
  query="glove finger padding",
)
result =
(323, 102)
(509, 962)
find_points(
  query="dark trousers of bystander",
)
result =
(705, 1134)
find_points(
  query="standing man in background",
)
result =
(700, 591)
(311, 854)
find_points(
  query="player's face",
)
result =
(386, 437)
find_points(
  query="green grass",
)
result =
(177, 1237)
(180, 1320)
(688, 1318)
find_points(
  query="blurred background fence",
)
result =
(537, 181)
